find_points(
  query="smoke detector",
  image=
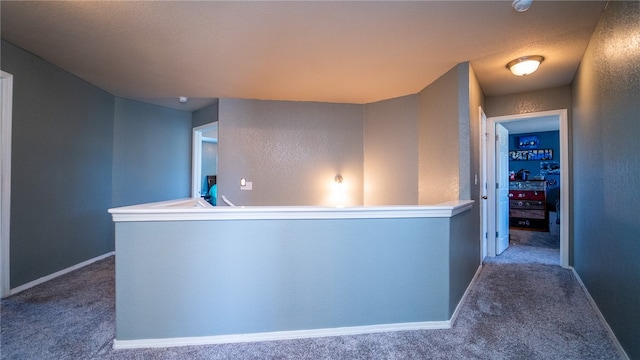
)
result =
(521, 5)
(183, 99)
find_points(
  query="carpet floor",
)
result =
(522, 306)
(534, 238)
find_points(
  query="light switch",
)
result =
(248, 185)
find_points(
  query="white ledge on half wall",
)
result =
(197, 209)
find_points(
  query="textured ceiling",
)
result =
(333, 51)
(537, 124)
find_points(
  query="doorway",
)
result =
(204, 158)
(539, 121)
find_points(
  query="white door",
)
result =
(502, 188)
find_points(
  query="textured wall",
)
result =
(61, 168)
(390, 152)
(606, 129)
(151, 153)
(448, 130)
(464, 131)
(476, 100)
(291, 152)
(439, 140)
(530, 101)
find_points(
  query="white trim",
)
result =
(59, 273)
(196, 160)
(6, 102)
(278, 335)
(565, 190)
(454, 316)
(198, 209)
(604, 322)
(565, 219)
(484, 206)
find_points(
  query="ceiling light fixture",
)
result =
(525, 65)
(521, 5)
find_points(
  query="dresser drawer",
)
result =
(534, 224)
(526, 195)
(527, 214)
(538, 185)
(526, 204)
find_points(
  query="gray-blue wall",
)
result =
(606, 165)
(205, 115)
(61, 168)
(151, 153)
(251, 276)
(464, 254)
(76, 152)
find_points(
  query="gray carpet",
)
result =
(522, 307)
(525, 254)
(534, 238)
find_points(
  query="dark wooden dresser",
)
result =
(527, 205)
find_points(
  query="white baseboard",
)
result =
(621, 351)
(454, 316)
(58, 273)
(278, 335)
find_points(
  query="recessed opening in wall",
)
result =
(204, 168)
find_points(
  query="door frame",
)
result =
(6, 101)
(565, 182)
(196, 157)
(484, 231)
